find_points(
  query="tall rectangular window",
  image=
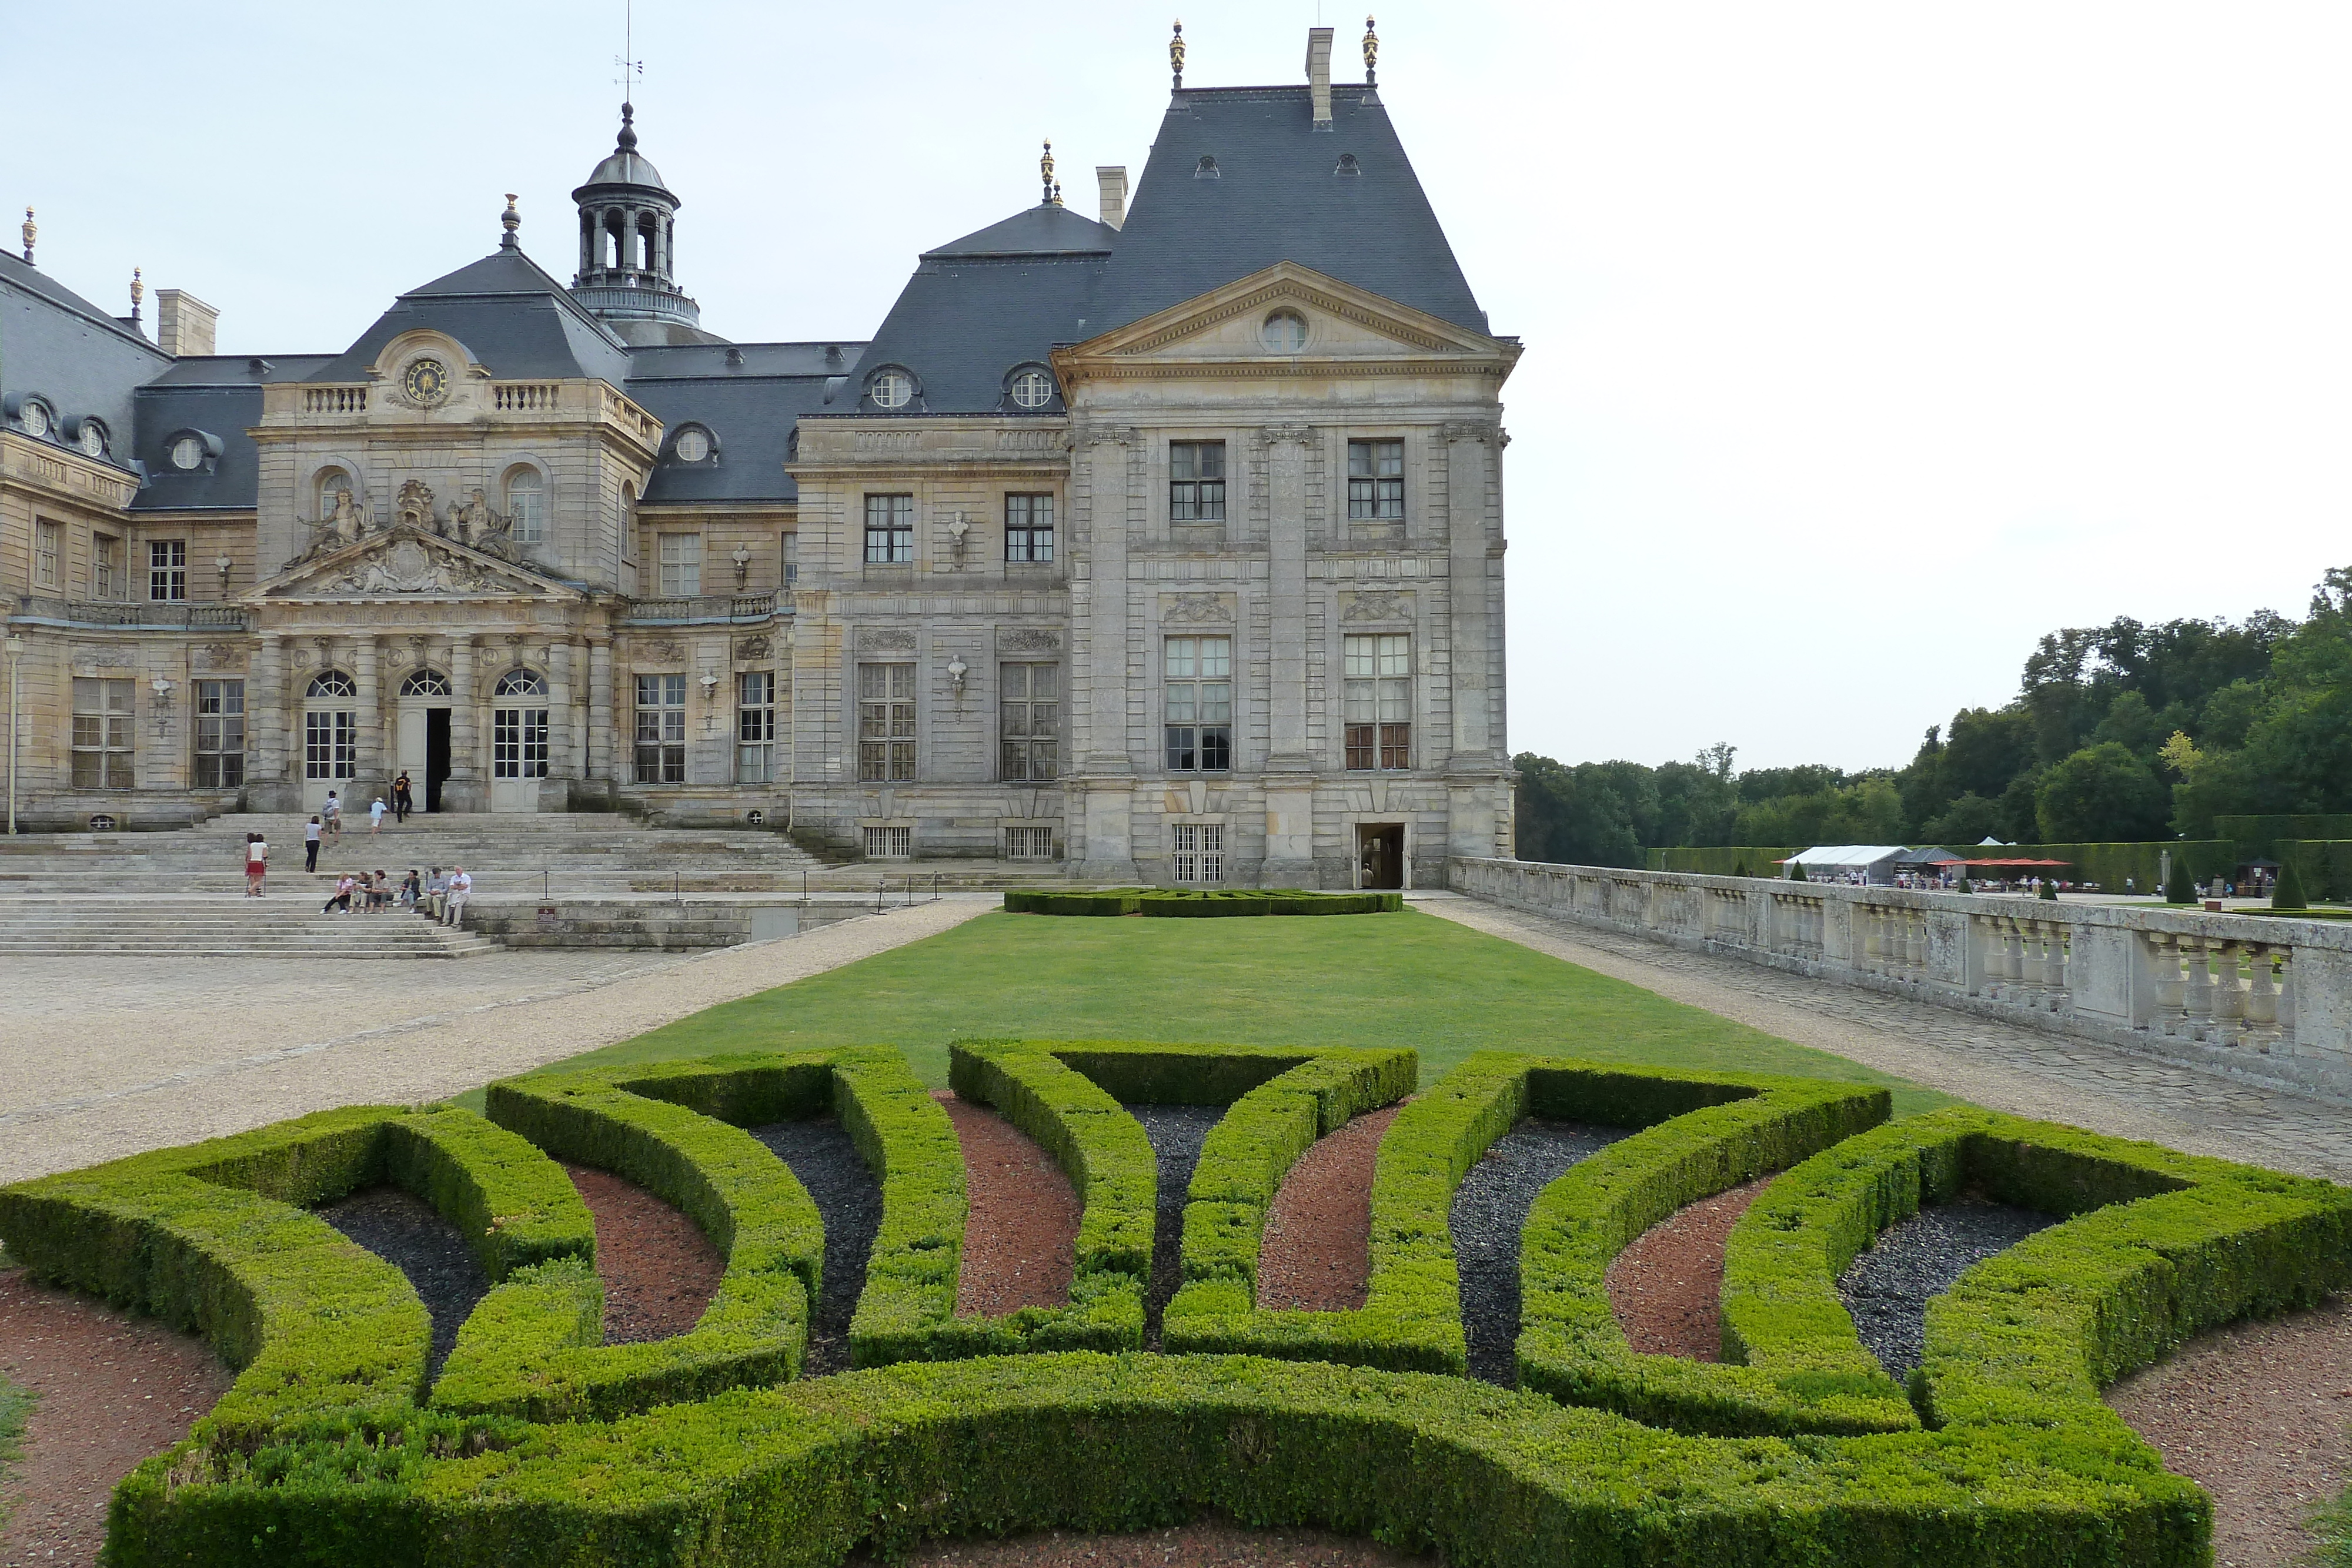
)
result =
(1028, 528)
(1376, 481)
(103, 718)
(681, 565)
(518, 743)
(105, 567)
(1029, 704)
(331, 745)
(1199, 851)
(1378, 698)
(1196, 481)
(885, 721)
(661, 729)
(755, 727)
(167, 570)
(49, 554)
(889, 530)
(792, 557)
(220, 735)
(1199, 677)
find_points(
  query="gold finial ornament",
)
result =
(29, 231)
(1046, 175)
(509, 220)
(137, 292)
(1176, 52)
(1371, 52)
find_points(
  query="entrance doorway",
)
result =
(421, 750)
(1379, 854)
(436, 755)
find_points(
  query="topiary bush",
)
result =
(2287, 892)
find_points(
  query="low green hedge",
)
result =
(1199, 903)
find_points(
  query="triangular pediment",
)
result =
(405, 562)
(1341, 321)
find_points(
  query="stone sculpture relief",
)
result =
(1191, 607)
(1379, 604)
(1027, 639)
(408, 567)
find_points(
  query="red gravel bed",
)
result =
(1317, 1250)
(114, 1389)
(2256, 1415)
(1667, 1287)
(1205, 1545)
(659, 1270)
(1021, 1240)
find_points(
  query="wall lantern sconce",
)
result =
(742, 560)
(957, 670)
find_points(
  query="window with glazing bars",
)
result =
(1028, 528)
(220, 735)
(49, 554)
(103, 719)
(1376, 481)
(681, 565)
(661, 729)
(1199, 851)
(1028, 843)
(105, 566)
(518, 743)
(1029, 701)
(1379, 698)
(1198, 675)
(755, 727)
(331, 745)
(889, 530)
(167, 570)
(885, 721)
(1196, 481)
(791, 547)
(889, 843)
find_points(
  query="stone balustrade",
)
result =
(736, 609)
(2257, 996)
(131, 614)
(343, 399)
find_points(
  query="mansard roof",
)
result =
(513, 317)
(963, 324)
(1277, 193)
(1045, 229)
(748, 406)
(220, 396)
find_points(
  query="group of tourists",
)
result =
(437, 896)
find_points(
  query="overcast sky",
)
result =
(1865, 342)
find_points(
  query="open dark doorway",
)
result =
(1379, 854)
(436, 755)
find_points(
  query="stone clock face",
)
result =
(426, 381)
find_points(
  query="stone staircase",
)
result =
(285, 924)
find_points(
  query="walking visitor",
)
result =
(257, 861)
(333, 813)
(461, 890)
(402, 801)
(310, 845)
(375, 816)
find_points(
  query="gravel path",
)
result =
(658, 1268)
(850, 1200)
(1205, 1545)
(1490, 1207)
(408, 1233)
(2256, 1414)
(1667, 1287)
(1021, 1235)
(1317, 1253)
(114, 1389)
(1886, 1287)
(103, 1059)
(1177, 1133)
(1989, 1063)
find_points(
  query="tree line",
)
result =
(2122, 733)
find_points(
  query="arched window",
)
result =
(332, 683)
(521, 683)
(527, 505)
(329, 481)
(426, 684)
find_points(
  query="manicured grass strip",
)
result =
(1199, 903)
(16, 1403)
(1408, 981)
(805, 1473)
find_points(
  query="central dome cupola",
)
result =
(628, 225)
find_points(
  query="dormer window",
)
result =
(1032, 388)
(90, 436)
(34, 415)
(693, 445)
(1349, 168)
(891, 389)
(1208, 169)
(190, 450)
(187, 453)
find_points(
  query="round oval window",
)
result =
(1032, 389)
(187, 452)
(37, 420)
(892, 390)
(1285, 331)
(693, 446)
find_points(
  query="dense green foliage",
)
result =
(1201, 902)
(2120, 733)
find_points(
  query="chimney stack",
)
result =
(184, 323)
(1318, 73)
(1111, 182)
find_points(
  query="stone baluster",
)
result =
(2164, 958)
(2287, 1005)
(2034, 961)
(2053, 948)
(2228, 996)
(2262, 998)
(1917, 951)
(2197, 990)
(1874, 939)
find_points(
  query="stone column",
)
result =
(1100, 791)
(465, 789)
(600, 709)
(267, 788)
(368, 782)
(560, 726)
(1469, 452)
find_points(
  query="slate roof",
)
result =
(82, 361)
(963, 323)
(221, 396)
(510, 315)
(1277, 197)
(1042, 230)
(749, 409)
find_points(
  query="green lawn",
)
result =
(1407, 978)
(14, 1404)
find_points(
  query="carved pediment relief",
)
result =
(408, 561)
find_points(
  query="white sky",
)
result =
(1833, 311)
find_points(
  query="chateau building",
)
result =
(1167, 544)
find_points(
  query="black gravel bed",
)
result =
(1887, 1287)
(407, 1232)
(1489, 1209)
(1177, 1133)
(849, 1200)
